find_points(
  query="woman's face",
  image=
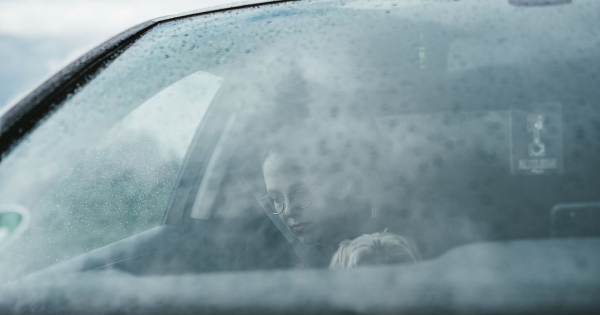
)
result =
(326, 219)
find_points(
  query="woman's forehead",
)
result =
(284, 165)
(288, 169)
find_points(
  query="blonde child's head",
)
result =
(374, 249)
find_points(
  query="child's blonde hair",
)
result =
(374, 249)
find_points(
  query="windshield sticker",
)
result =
(536, 139)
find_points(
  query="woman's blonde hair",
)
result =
(374, 249)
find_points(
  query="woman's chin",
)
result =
(316, 236)
(307, 238)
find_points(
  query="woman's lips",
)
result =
(300, 227)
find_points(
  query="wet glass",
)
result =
(447, 122)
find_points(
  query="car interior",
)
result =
(498, 203)
(489, 162)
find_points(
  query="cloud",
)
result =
(26, 62)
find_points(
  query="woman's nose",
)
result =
(290, 210)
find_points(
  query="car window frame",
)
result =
(196, 160)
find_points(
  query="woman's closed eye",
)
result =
(277, 199)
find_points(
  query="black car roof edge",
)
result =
(61, 78)
(19, 118)
(221, 8)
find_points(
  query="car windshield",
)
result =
(283, 131)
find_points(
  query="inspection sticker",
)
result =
(536, 139)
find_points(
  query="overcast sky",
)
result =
(39, 37)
